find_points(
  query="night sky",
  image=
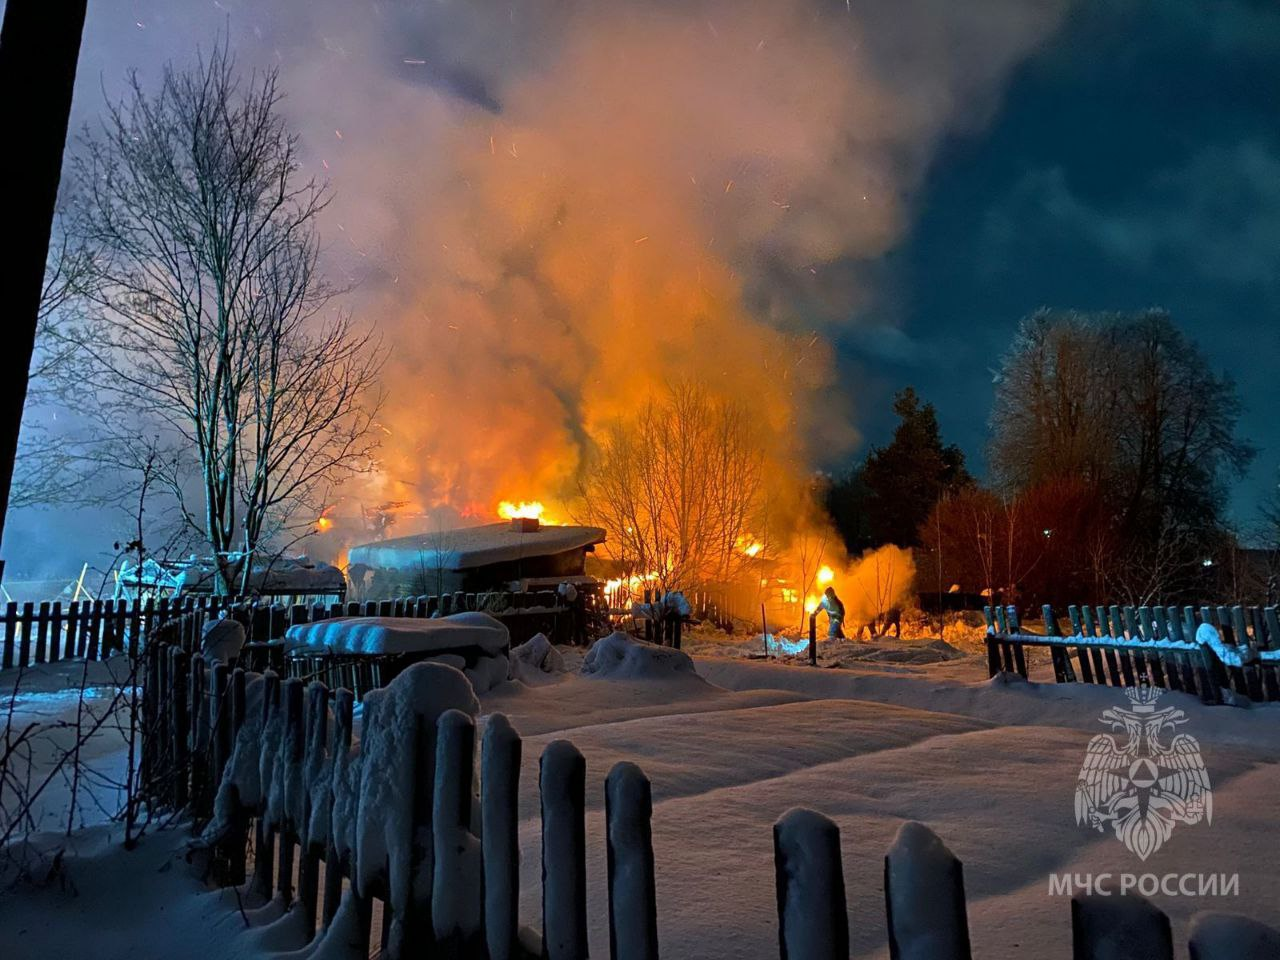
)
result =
(1133, 160)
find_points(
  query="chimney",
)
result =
(525, 524)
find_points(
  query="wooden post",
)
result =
(220, 723)
(317, 740)
(290, 754)
(813, 923)
(633, 905)
(562, 784)
(1226, 936)
(238, 838)
(500, 836)
(1119, 928)
(456, 897)
(264, 846)
(924, 898)
(24, 646)
(10, 635)
(813, 638)
(343, 706)
(201, 795)
(179, 728)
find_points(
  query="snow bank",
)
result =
(392, 635)
(621, 657)
(396, 718)
(535, 660)
(487, 672)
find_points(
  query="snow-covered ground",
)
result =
(990, 766)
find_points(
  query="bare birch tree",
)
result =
(677, 487)
(213, 321)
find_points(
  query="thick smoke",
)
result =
(549, 208)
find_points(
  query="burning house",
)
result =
(521, 553)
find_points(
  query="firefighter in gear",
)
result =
(835, 613)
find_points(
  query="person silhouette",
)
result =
(835, 613)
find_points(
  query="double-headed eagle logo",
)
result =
(1136, 783)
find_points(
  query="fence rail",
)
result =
(97, 629)
(251, 756)
(1216, 653)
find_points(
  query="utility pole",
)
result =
(39, 49)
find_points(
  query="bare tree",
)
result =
(1128, 404)
(212, 319)
(48, 470)
(676, 488)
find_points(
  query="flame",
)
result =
(531, 509)
(323, 525)
(811, 604)
(825, 576)
(753, 548)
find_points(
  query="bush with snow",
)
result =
(622, 657)
(536, 660)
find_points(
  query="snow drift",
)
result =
(621, 657)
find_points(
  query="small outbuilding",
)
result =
(494, 556)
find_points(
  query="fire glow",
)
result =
(524, 509)
(641, 234)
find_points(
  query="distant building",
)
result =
(495, 556)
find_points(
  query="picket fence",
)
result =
(193, 713)
(97, 629)
(1161, 646)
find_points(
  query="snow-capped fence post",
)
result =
(343, 708)
(500, 836)
(633, 908)
(813, 922)
(1119, 928)
(562, 785)
(317, 734)
(456, 883)
(264, 839)
(289, 756)
(1228, 936)
(924, 898)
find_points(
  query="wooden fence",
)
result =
(97, 629)
(1237, 656)
(450, 887)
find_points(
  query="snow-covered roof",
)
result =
(469, 547)
(390, 635)
(284, 575)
